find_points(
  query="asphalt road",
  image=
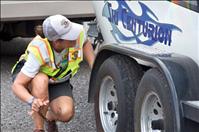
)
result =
(14, 117)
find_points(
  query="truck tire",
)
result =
(154, 108)
(117, 81)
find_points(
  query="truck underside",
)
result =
(18, 18)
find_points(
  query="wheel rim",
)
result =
(108, 105)
(152, 114)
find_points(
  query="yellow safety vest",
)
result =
(75, 56)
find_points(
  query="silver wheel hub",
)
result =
(152, 114)
(108, 104)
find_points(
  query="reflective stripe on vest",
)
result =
(75, 56)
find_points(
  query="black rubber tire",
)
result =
(126, 74)
(154, 81)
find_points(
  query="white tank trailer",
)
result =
(146, 74)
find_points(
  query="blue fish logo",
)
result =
(146, 25)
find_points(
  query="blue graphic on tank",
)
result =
(145, 26)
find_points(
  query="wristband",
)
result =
(30, 101)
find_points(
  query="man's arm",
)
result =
(88, 53)
(28, 71)
(20, 86)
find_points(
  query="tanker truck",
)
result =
(145, 77)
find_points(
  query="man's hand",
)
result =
(37, 104)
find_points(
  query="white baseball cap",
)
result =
(59, 27)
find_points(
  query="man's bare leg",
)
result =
(62, 109)
(39, 89)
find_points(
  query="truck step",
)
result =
(191, 110)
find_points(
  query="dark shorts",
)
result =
(60, 89)
(55, 90)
